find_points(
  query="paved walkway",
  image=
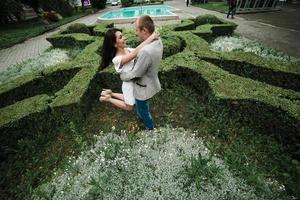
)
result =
(283, 38)
(31, 48)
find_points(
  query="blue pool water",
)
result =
(133, 12)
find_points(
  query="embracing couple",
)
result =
(138, 68)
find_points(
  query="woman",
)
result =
(114, 50)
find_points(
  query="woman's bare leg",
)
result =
(120, 104)
(118, 101)
(118, 96)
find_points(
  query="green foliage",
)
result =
(126, 3)
(10, 9)
(172, 43)
(51, 16)
(250, 120)
(99, 4)
(77, 28)
(70, 40)
(207, 19)
(101, 28)
(60, 6)
(209, 27)
(15, 33)
(186, 24)
(216, 6)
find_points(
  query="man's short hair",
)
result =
(145, 21)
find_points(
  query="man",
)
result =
(145, 70)
(187, 2)
(232, 8)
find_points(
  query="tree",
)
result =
(10, 10)
(99, 4)
(32, 3)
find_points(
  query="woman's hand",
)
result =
(154, 36)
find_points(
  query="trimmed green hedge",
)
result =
(186, 24)
(69, 101)
(210, 31)
(101, 28)
(70, 40)
(207, 19)
(35, 85)
(25, 118)
(77, 28)
(209, 26)
(273, 73)
(172, 43)
(225, 79)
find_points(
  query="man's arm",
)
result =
(140, 67)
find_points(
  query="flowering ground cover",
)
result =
(46, 59)
(235, 43)
(235, 118)
(162, 164)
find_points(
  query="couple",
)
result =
(138, 68)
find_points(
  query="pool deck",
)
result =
(279, 30)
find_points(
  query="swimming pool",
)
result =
(159, 12)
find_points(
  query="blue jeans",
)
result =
(143, 111)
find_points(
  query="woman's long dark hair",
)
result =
(109, 50)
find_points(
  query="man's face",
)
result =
(139, 33)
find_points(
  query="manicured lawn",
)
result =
(216, 6)
(15, 33)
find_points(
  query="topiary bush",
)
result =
(207, 19)
(70, 40)
(101, 28)
(77, 28)
(185, 24)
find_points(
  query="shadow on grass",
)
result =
(258, 116)
(43, 85)
(277, 78)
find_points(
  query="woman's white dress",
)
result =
(127, 86)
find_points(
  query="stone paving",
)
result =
(32, 47)
(279, 38)
(282, 38)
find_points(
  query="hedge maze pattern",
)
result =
(263, 93)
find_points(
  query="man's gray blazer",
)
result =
(145, 71)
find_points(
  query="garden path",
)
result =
(281, 38)
(284, 36)
(32, 47)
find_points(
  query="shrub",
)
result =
(77, 28)
(185, 24)
(126, 3)
(99, 4)
(52, 16)
(70, 40)
(207, 19)
(60, 6)
(101, 28)
(10, 9)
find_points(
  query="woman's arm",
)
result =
(128, 57)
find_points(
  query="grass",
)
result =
(205, 147)
(253, 159)
(221, 7)
(16, 33)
